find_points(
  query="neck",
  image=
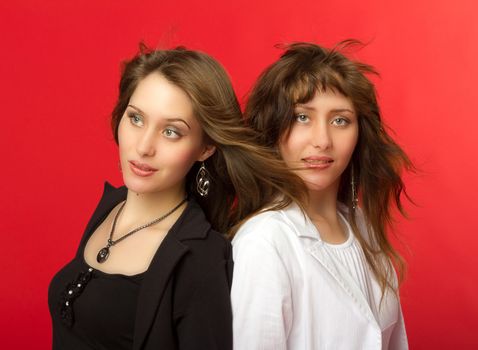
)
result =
(143, 207)
(322, 205)
(322, 211)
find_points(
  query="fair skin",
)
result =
(318, 149)
(159, 141)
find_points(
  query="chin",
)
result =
(314, 185)
(315, 188)
(321, 185)
(317, 185)
(140, 186)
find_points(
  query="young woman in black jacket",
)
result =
(152, 271)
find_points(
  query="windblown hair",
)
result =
(244, 176)
(305, 69)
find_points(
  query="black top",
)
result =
(180, 302)
(96, 312)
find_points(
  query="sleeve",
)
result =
(260, 295)
(207, 323)
(398, 339)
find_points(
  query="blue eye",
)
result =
(136, 119)
(340, 121)
(171, 133)
(302, 118)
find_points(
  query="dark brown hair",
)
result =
(244, 176)
(305, 69)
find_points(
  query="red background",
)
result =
(59, 72)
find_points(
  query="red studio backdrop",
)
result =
(59, 71)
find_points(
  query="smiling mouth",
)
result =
(143, 167)
(142, 170)
(318, 161)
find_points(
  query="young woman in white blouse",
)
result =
(320, 274)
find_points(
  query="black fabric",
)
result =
(102, 313)
(182, 299)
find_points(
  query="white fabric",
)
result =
(293, 291)
(350, 254)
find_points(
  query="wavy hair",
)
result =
(377, 161)
(245, 177)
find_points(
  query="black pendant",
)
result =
(103, 255)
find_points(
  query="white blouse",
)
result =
(293, 291)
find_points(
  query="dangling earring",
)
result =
(354, 190)
(202, 181)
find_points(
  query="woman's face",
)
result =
(159, 137)
(321, 140)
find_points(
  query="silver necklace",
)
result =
(104, 253)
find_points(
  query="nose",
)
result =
(145, 145)
(321, 137)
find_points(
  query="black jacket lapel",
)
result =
(191, 224)
(110, 198)
(154, 285)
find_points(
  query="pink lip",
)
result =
(315, 162)
(141, 169)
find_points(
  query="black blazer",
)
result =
(184, 297)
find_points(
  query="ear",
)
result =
(207, 152)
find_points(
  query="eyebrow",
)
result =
(167, 119)
(336, 110)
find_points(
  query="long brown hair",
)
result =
(377, 162)
(244, 176)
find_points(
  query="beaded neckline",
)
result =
(72, 291)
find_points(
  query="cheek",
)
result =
(124, 140)
(186, 157)
(290, 145)
(182, 157)
(347, 144)
(285, 152)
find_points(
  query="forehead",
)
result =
(327, 99)
(157, 97)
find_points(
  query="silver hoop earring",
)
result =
(354, 189)
(202, 181)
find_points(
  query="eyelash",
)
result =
(175, 132)
(299, 115)
(133, 116)
(344, 120)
